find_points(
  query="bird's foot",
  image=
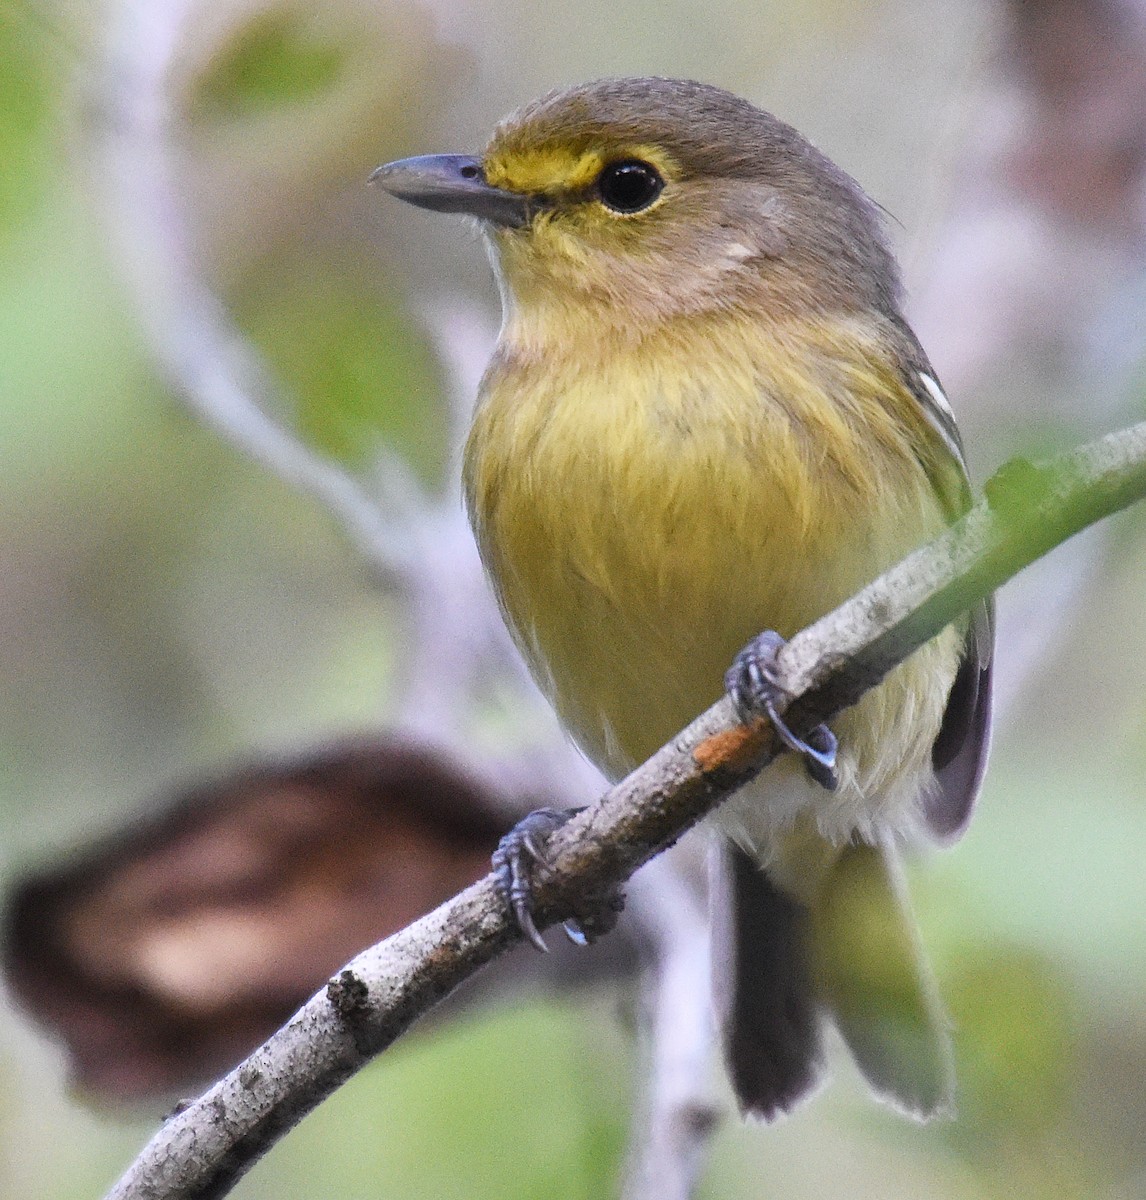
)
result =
(754, 691)
(519, 853)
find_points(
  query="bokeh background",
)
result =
(167, 606)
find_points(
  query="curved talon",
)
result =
(521, 848)
(520, 900)
(820, 758)
(752, 686)
(575, 933)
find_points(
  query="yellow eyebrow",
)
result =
(545, 170)
(550, 169)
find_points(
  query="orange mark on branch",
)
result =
(733, 750)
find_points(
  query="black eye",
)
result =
(629, 185)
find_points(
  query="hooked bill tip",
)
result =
(451, 183)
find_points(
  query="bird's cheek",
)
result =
(556, 252)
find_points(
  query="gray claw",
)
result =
(535, 851)
(575, 933)
(753, 690)
(525, 924)
(517, 853)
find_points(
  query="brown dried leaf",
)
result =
(171, 949)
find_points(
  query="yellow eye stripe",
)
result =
(553, 170)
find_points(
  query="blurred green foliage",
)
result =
(25, 110)
(527, 1101)
(1015, 1054)
(274, 60)
(358, 368)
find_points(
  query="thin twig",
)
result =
(201, 1151)
(678, 1113)
(216, 371)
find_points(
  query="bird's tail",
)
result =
(851, 953)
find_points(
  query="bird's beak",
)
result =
(452, 183)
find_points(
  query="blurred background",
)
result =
(170, 607)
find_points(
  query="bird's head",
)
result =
(644, 200)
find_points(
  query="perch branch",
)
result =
(202, 1150)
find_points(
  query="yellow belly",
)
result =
(643, 519)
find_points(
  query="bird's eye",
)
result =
(629, 185)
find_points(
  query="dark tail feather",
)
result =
(763, 987)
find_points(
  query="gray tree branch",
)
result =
(201, 1151)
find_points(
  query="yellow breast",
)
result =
(645, 513)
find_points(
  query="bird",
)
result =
(705, 423)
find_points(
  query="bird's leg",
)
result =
(519, 852)
(754, 691)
